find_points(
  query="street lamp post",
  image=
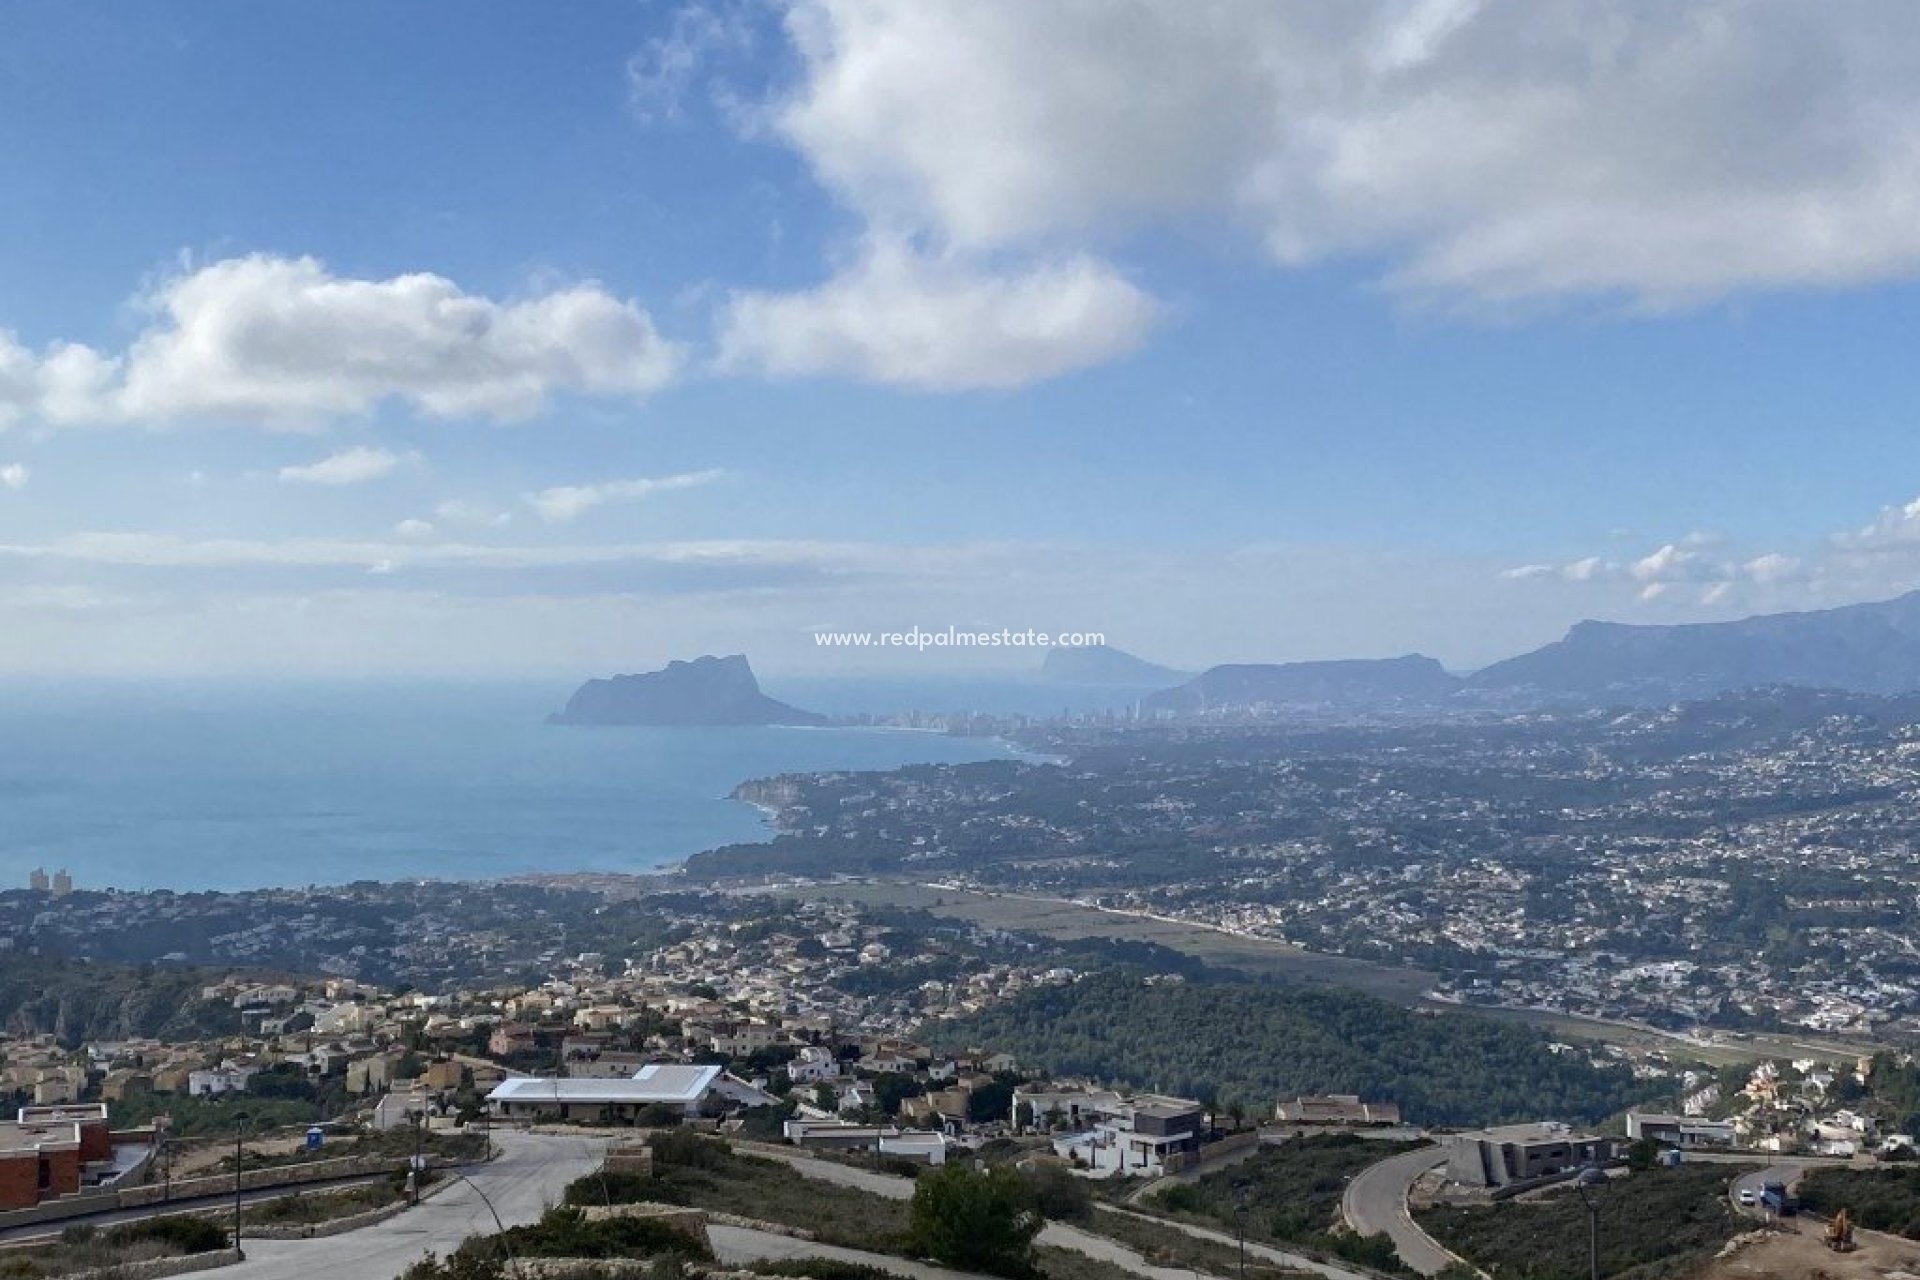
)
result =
(239, 1131)
(1592, 1185)
(1240, 1224)
(513, 1266)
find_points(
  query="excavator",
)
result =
(1840, 1232)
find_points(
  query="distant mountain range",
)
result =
(1350, 683)
(1100, 664)
(706, 691)
(1862, 648)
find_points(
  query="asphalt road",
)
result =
(521, 1183)
(1787, 1173)
(1376, 1203)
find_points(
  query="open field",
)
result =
(1278, 961)
(1057, 918)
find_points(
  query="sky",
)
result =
(502, 339)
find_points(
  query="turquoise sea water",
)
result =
(222, 788)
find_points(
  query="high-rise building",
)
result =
(38, 880)
(62, 883)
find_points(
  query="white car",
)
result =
(1749, 1197)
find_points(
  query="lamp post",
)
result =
(513, 1267)
(1240, 1224)
(239, 1131)
(1592, 1185)
(413, 1169)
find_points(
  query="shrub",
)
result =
(976, 1221)
(187, 1234)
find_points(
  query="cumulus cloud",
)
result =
(357, 465)
(1485, 151)
(566, 502)
(909, 319)
(414, 528)
(14, 475)
(285, 342)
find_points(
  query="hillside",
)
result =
(1257, 1044)
(1100, 664)
(76, 1001)
(1347, 684)
(1864, 648)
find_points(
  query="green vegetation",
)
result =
(1894, 1087)
(280, 1097)
(976, 1221)
(822, 1269)
(564, 1233)
(1292, 1194)
(1879, 1199)
(84, 1247)
(706, 1173)
(326, 1206)
(1167, 1246)
(1653, 1225)
(75, 1001)
(1252, 1044)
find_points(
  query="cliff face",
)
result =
(706, 691)
(1865, 648)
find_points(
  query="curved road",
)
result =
(1786, 1173)
(1375, 1203)
(528, 1176)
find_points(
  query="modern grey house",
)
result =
(1521, 1154)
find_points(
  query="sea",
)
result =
(225, 787)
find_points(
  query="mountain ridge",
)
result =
(1872, 647)
(1102, 664)
(1343, 682)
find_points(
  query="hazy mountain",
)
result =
(706, 691)
(1103, 664)
(1350, 683)
(1866, 648)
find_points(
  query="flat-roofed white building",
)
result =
(686, 1088)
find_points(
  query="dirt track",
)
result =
(1803, 1255)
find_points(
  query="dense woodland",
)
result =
(1241, 1044)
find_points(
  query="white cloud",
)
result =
(1520, 573)
(284, 342)
(414, 528)
(662, 73)
(1526, 149)
(468, 511)
(1585, 570)
(565, 502)
(357, 465)
(1669, 564)
(1771, 567)
(909, 319)
(15, 475)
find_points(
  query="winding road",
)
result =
(1375, 1203)
(521, 1183)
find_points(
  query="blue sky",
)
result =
(511, 338)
